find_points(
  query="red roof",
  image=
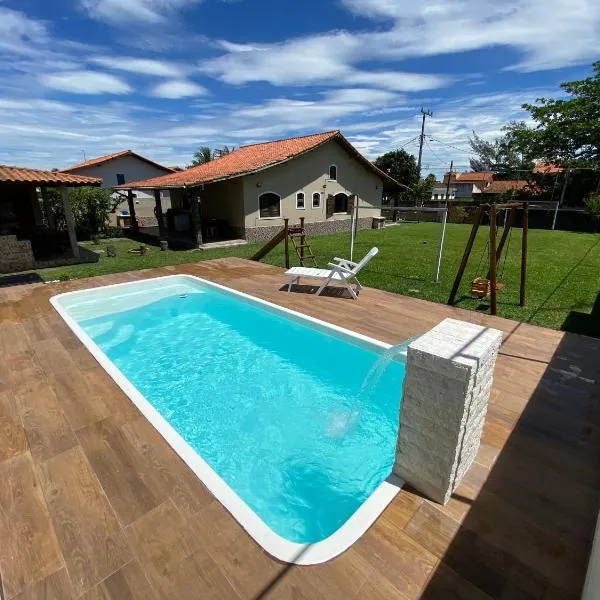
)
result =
(510, 185)
(107, 157)
(547, 168)
(11, 174)
(250, 159)
(475, 176)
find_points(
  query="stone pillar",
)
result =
(196, 221)
(70, 220)
(446, 389)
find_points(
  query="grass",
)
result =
(563, 284)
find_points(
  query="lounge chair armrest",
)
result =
(340, 268)
(344, 261)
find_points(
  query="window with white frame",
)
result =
(269, 205)
(316, 199)
(333, 173)
(300, 200)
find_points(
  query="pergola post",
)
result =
(162, 234)
(132, 218)
(196, 220)
(70, 220)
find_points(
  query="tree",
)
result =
(401, 166)
(91, 207)
(566, 130)
(201, 156)
(592, 206)
(500, 155)
(204, 154)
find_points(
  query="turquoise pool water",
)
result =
(271, 403)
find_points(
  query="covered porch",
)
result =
(201, 215)
(32, 235)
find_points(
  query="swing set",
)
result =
(482, 287)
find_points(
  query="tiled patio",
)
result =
(94, 504)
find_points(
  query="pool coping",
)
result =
(271, 542)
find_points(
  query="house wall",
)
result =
(309, 173)
(134, 169)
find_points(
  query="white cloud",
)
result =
(327, 59)
(18, 33)
(142, 66)
(119, 12)
(548, 33)
(85, 82)
(178, 89)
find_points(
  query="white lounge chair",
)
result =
(342, 271)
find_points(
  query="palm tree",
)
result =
(202, 155)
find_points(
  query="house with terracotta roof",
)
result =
(28, 236)
(120, 168)
(469, 184)
(248, 193)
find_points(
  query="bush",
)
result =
(91, 207)
(592, 206)
(457, 214)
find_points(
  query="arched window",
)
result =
(269, 205)
(340, 203)
(300, 200)
(333, 173)
(316, 199)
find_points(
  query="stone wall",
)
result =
(15, 255)
(263, 234)
(449, 373)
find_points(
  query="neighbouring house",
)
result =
(469, 184)
(441, 191)
(120, 168)
(28, 236)
(517, 188)
(248, 193)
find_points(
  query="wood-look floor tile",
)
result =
(48, 432)
(432, 529)
(13, 440)
(88, 532)
(129, 482)
(54, 587)
(128, 583)
(171, 473)
(29, 550)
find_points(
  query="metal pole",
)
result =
(353, 229)
(438, 262)
(562, 199)
(524, 254)
(493, 290)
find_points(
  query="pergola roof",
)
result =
(250, 159)
(12, 174)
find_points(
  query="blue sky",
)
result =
(164, 76)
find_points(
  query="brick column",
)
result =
(446, 389)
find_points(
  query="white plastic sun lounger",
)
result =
(342, 272)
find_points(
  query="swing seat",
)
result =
(481, 287)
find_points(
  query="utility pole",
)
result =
(425, 113)
(448, 184)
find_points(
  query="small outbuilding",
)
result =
(27, 239)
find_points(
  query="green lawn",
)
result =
(563, 286)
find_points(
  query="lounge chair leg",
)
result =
(323, 286)
(352, 292)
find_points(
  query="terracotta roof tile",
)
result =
(11, 174)
(249, 159)
(517, 185)
(475, 176)
(92, 162)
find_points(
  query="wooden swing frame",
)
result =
(495, 251)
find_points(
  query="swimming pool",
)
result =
(266, 405)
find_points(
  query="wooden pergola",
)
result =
(17, 184)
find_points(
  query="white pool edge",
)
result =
(271, 542)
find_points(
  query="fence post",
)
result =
(286, 244)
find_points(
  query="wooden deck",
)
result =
(95, 505)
